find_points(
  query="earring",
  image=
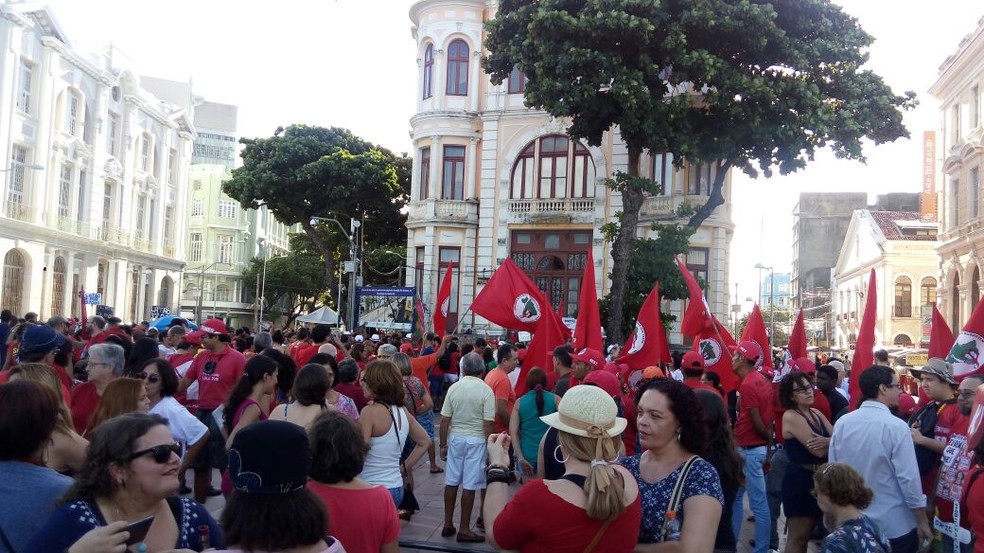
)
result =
(678, 434)
(558, 456)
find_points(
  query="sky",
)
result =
(352, 63)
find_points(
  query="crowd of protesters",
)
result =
(316, 434)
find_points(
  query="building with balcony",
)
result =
(493, 179)
(95, 176)
(902, 250)
(960, 146)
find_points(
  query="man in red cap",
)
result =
(753, 434)
(692, 365)
(217, 370)
(585, 361)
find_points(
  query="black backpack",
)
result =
(926, 418)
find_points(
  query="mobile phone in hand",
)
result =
(138, 530)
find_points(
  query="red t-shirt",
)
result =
(946, 419)
(698, 385)
(972, 507)
(304, 353)
(754, 392)
(522, 525)
(956, 463)
(214, 385)
(354, 391)
(362, 520)
(502, 389)
(84, 402)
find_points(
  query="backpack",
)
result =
(926, 417)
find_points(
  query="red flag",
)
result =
(418, 319)
(443, 304)
(755, 331)
(967, 353)
(797, 339)
(864, 348)
(698, 315)
(717, 346)
(940, 336)
(550, 333)
(587, 331)
(511, 300)
(647, 344)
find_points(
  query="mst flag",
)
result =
(940, 336)
(755, 331)
(717, 346)
(698, 315)
(864, 347)
(647, 344)
(965, 355)
(797, 339)
(550, 333)
(443, 303)
(587, 331)
(511, 300)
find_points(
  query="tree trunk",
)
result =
(715, 198)
(330, 277)
(632, 198)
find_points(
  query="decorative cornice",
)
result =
(87, 67)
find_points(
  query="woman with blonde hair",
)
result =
(595, 502)
(841, 494)
(121, 396)
(66, 452)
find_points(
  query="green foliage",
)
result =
(293, 282)
(651, 261)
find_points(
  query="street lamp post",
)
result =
(772, 298)
(201, 288)
(353, 253)
(261, 292)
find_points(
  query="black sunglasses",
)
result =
(161, 453)
(152, 378)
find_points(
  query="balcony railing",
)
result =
(559, 205)
(17, 211)
(458, 210)
(657, 206)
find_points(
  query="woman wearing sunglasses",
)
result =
(131, 474)
(161, 382)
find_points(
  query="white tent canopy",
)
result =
(323, 316)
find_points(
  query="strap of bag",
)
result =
(396, 430)
(597, 537)
(674, 504)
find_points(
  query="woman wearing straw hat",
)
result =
(681, 493)
(595, 502)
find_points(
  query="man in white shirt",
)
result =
(879, 445)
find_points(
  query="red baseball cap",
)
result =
(749, 350)
(804, 365)
(590, 356)
(214, 326)
(194, 337)
(606, 381)
(692, 360)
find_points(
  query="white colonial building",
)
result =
(960, 145)
(902, 250)
(493, 179)
(94, 180)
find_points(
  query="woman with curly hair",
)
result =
(672, 436)
(722, 454)
(842, 494)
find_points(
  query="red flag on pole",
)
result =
(697, 318)
(418, 318)
(587, 331)
(717, 346)
(550, 333)
(864, 348)
(443, 303)
(755, 331)
(511, 300)
(940, 336)
(967, 353)
(797, 339)
(647, 344)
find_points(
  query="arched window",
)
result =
(553, 167)
(902, 340)
(13, 281)
(58, 287)
(457, 68)
(190, 291)
(927, 291)
(164, 296)
(903, 297)
(429, 71)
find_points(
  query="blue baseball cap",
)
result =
(40, 339)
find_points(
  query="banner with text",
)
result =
(387, 308)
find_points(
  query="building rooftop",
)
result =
(904, 225)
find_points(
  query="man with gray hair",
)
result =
(105, 364)
(467, 417)
(262, 341)
(169, 344)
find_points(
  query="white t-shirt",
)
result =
(166, 350)
(184, 426)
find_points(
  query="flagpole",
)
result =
(460, 319)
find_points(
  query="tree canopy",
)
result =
(302, 172)
(294, 284)
(758, 85)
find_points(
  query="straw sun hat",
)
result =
(587, 411)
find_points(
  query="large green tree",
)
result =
(302, 172)
(292, 284)
(756, 85)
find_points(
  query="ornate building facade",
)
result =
(494, 179)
